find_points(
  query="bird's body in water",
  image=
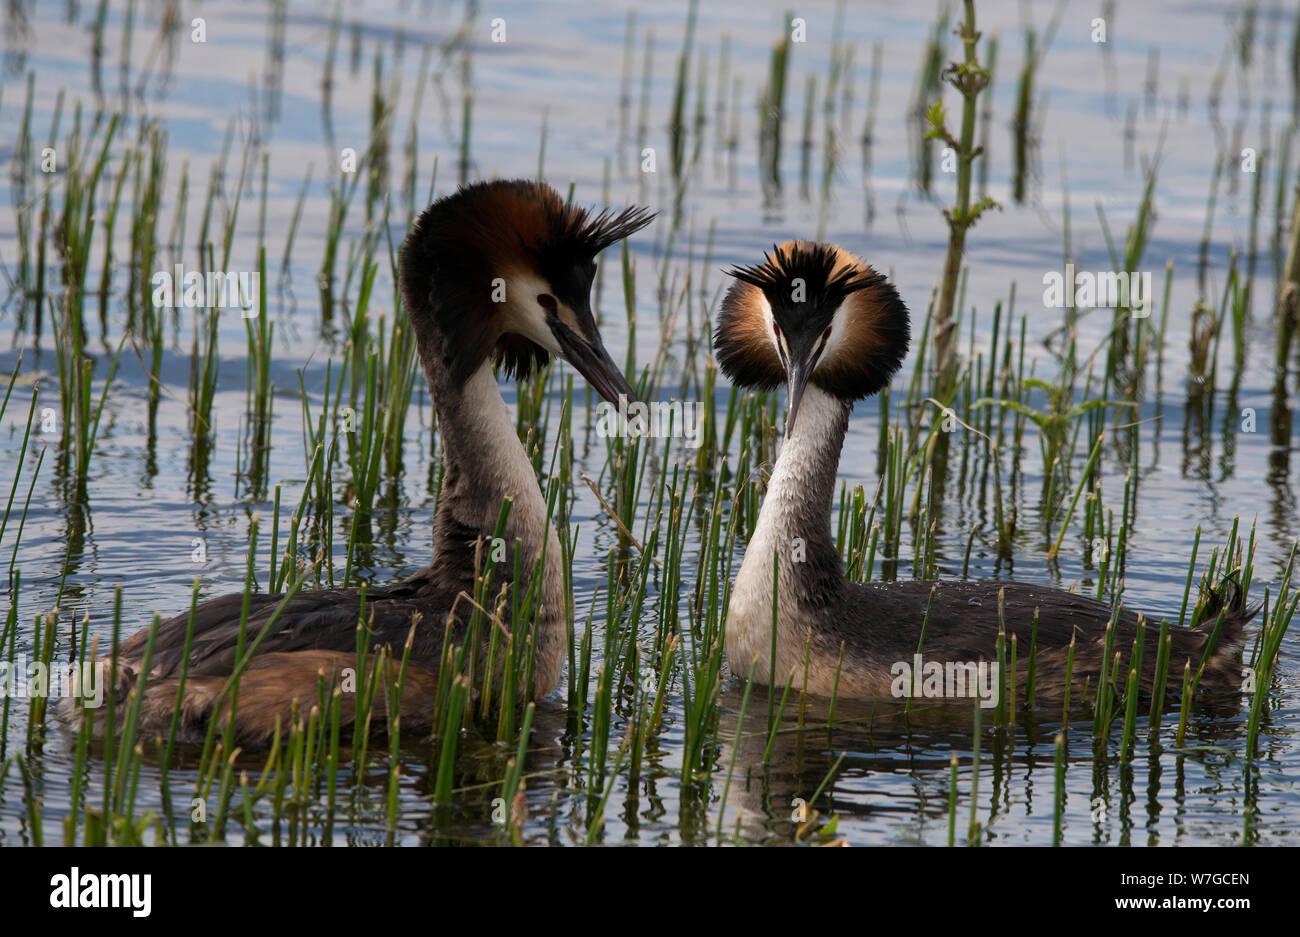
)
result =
(819, 320)
(496, 272)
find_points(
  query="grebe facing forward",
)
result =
(498, 271)
(833, 330)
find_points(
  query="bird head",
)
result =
(504, 269)
(811, 312)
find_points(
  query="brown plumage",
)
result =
(496, 271)
(841, 338)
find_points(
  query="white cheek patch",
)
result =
(769, 323)
(834, 342)
(837, 337)
(524, 315)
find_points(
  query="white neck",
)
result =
(483, 448)
(486, 463)
(793, 523)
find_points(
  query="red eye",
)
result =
(827, 333)
(776, 329)
(546, 301)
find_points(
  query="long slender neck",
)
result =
(485, 463)
(794, 524)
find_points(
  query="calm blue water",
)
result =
(1097, 118)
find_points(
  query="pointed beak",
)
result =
(796, 379)
(593, 362)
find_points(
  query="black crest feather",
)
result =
(813, 263)
(582, 234)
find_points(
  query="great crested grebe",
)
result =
(833, 330)
(498, 271)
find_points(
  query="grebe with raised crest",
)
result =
(496, 272)
(831, 329)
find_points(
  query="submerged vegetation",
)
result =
(325, 462)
